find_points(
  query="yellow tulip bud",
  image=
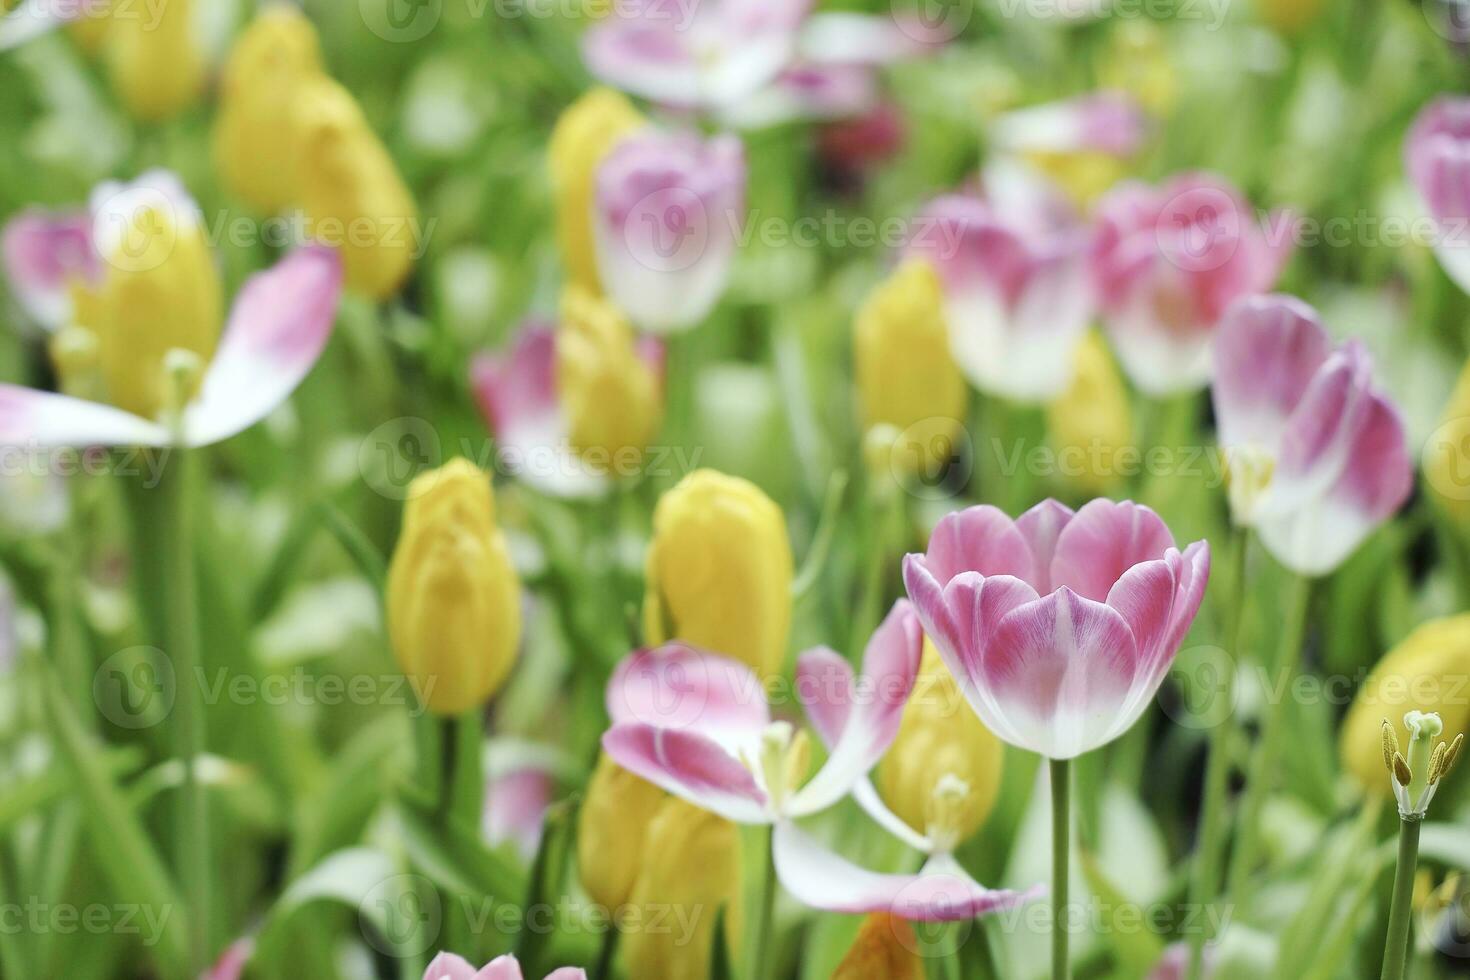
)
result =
(611, 825)
(885, 949)
(609, 393)
(691, 869)
(1447, 453)
(254, 144)
(1091, 422)
(1137, 61)
(154, 59)
(1429, 671)
(906, 376)
(89, 30)
(160, 291)
(719, 571)
(454, 601)
(586, 132)
(351, 191)
(938, 737)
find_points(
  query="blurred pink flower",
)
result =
(667, 219)
(1058, 627)
(515, 807)
(1167, 261)
(1317, 453)
(1110, 122)
(1017, 293)
(447, 966)
(699, 726)
(275, 332)
(1437, 158)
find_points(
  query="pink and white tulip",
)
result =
(1317, 453)
(1017, 293)
(516, 389)
(704, 55)
(1437, 158)
(275, 331)
(1058, 626)
(699, 726)
(1167, 262)
(517, 794)
(447, 966)
(1110, 122)
(666, 225)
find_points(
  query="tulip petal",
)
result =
(567, 973)
(1062, 668)
(677, 686)
(44, 254)
(1041, 526)
(890, 668)
(501, 968)
(690, 765)
(978, 539)
(277, 329)
(43, 420)
(824, 686)
(821, 879)
(517, 394)
(1103, 541)
(1266, 352)
(447, 966)
(1374, 477)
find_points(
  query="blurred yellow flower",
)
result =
(1447, 454)
(885, 949)
(255, 146)
(940, 736)
(154, 59)
(906, 377)
(611, 826)
(89, 29)
(586, 132)
(1091, 423)
(691, 869)
(454, 600)
(610, 394)
(354, 198)
(1289, 16)
(160, 290)
(719, 571)
(1428, 671)
(1136, 60)
(1083, 174)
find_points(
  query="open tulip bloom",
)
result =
(1058, 626)
(698, 725)
(1017, 293)
(1168, 261)
(447, 966)
(1109, 122)
(275, 331)
(1437, 158)
(1316, 452)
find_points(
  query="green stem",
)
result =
(607, 953)
(1205, 886)
(760, 959)
(1061, 852)
(1264, 761)
(175, 534)
(1396, 947)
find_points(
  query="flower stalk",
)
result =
(1396, 949)
(1061, 852)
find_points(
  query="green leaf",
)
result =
(548, 875)
(454, 857)
(1135, 949)
(720, 967)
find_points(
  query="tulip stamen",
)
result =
(946, 811)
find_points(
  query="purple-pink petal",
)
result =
(1103, 541)
(824, 686)
(821, 879)
(277, 329)
(43, 254)
(677, 686)
(978, 539)
(1266, 352)
(690, 765)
